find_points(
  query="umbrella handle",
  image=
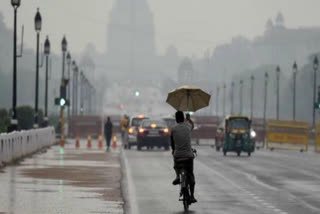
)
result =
(188, 96)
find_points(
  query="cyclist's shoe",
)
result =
(193, 200)
(176, 181)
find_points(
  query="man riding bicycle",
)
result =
(182, 150)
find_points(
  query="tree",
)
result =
(4, 120)
(25, 115)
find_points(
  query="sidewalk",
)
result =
(64, 180)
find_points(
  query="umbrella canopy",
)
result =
(188, 98)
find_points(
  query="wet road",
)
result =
(63, 181)
(276, 182)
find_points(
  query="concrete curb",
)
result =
(127, 187)
(124, 184)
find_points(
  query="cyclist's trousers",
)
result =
(188, 165)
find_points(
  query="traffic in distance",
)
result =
(234, 134)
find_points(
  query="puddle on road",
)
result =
(68, 181)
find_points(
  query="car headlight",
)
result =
(253, 134)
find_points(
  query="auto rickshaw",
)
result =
(239, 137)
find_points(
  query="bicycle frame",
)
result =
(184, 189)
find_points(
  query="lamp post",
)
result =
(224, 99)
(81, 92)
(37, 25)
(74, 88)
(252, 97)
(232, 97)
(46, 52)
(315, 69)
(64, 46)
(68, 86)
(241, 96)
(266, 78)
(278, 91)
(14, 122)
(295, 71)
(217, 103)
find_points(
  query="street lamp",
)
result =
(224, 99)
(81, 92)
(15, 3)
(37, 25)
(217, 103)
(241, 96)
(315, 68)
(68, 86)
(252, 96)
(64, 46)
(278, 91)
(75, 88)
(266, 78)
(14, 122)
(232, 97)
(295, 71)
(47, 53)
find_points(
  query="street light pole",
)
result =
(266, 78)
(295, 71)
(73, 103)
(252, 97)
(315, 68)
(224, 99)
(81, 92)
(38, 22)
(241, 96)
(217, 103)
(278, 91)
(232, 98)
(64, 46)
(46, 52)
(68, 86)
(14, 121)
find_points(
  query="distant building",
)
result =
(130, 47)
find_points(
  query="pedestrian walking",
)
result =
(108, 132)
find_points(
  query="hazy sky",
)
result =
(191, 25)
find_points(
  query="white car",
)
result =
(132, 131)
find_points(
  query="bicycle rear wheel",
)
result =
(186, 201)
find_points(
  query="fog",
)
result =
(155, 46)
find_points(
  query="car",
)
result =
(132, 130)
(170, 121)
(153, 133)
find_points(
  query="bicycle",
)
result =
(185, 194)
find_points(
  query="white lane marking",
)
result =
(255, 197)
(134, 209)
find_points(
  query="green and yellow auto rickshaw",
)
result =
(238, 135)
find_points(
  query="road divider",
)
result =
(287, 135)
(19, 144)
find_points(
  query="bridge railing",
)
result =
(19, 144)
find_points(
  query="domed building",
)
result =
(131, 39)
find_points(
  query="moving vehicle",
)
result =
(153, 133)
(238, 135)
(170, 121)
(132, 131)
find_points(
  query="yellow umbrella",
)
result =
(188, 98)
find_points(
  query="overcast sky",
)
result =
(191, 25)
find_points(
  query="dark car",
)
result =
(153, 133)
